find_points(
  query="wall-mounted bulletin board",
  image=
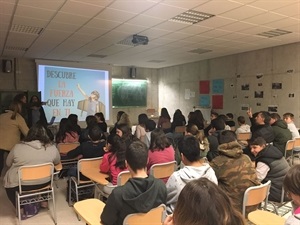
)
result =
(129, 93)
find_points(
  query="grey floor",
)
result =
(65, 214)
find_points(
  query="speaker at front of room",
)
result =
(6, 66)
(132, 72)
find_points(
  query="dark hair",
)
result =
(150, 125)
(275, 116)
(143, 118)
(229, 115)
(227, 136)
(118, 150)
(38, 132)
(19, 97)
(266, 116)
(214, 113)
(90, 121)
(126, 130)
(137, 155)
(159, 140)
(95, 133)
(190, 148)
(193, 129)
(38, 103)
(65, 126)
(16, 107)
(203, 202)
(241, 120)
(100, 115)
(222, 117)
(218, 124)
(291, 182)
(291, 115)
(258, 141)
(73, 118)
(164, 113)
(119, 114)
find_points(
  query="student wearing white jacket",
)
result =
(194, 168)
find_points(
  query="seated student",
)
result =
(229, 121)
(67, 132)
(90, 122)
(140, 131)
(140, 194)
(101, 121)
(150, 126)
(113, 162)
(192, 130)
(202, 202)
(289, 119)
(73, 119)
(291, 186)
(217, 126)
(233, 169)
(178, 120)
(194, 168)
(270, 165)
(90, 149)
(161, 150)
(243, 127)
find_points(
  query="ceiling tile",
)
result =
(237, 26)
(96, 32)
(41, 14)
(195, 29)
(130, 28)
(290, 10)
(70, 18)
(144, 20)
(154, 33)
(7, 8)
(283, 23)
(190, 4)
(29, 21)
(63, 27)
(132, 6)
(115, 15)
(271, 4)
(217, 21)
(171, 26)
(218, 7)
(265, 18)
(45, 4)
(243, 12)
(102, 3)
(80, 8)
(164, 11)
(103, 24)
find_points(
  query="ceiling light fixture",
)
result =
(191, 17)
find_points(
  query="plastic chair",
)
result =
(155, 216)
(28, 174)
(244, 136)
(289, 146)
(163, 170)
(76, 184)
(63, 149)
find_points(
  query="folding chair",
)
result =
(289, 146)
(63, 149)
(76, 184)
(256, 195)
(29, 174)
(163, 170)
(155, 216)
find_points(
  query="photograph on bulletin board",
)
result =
(129, 93)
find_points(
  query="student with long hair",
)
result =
(178, 120)
(67, 132)
(192, 130)
(202, 202)
(91, 121)
(140, 131)
(12, 125)
(101, 121)
(36, 111)
(164, 118)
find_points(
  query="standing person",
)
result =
(36, 149)
(203, 202)
(194, 168)
(12, 125)
(289, 119)
(22, 100)
(139, 194)
(101, 121)
(270, 165)
(178, 120)
(291, 184)
(140, 131)
(36, 111)
(234, 170)
(161, 150)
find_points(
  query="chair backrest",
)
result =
(43, 172)
(244, 136)
(162, 170)
(90, 163)
(297, 143)
(64, 148)
(155, 216)
(123, 177)
(289, 146)
(180, 129)
(256, 195)
(166, 125)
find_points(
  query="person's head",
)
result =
(203, 202)
(177, 115)
(227, 136)
(150, 125)
(90, 121)
(164, 113)
(95, 133)
(288, 117)
(159, 140)
(191, 129)
(124, 119)
(95, 96)
(73, 118)
(118, 149)
(217, 124)
(223, 117)
(191, 115)
(241, 120)
(21, 97)
(38, 132)
(189, 148)
(199, 115)
(142, 119)
(16, 107)
(257, 145)
(119, 114)
(274, 117)
(262, 118)
(100, 117)
(137, 156)
(213, 115)
(291, 184)
(123, 130)
(34, 99)
(229, 116)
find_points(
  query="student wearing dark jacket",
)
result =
(140, 194)
(270, 165)
(217, 126)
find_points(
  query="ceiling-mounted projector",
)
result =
(139, 40)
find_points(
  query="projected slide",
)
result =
(73, 91)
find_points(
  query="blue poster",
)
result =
(204, 101)
(218, 86)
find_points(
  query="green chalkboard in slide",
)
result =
(129, 93)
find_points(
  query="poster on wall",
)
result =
(129, 93)
(272, 108)
(258, 94)
(218, 86)
(204, 87)
(245, 107)
(217, 101)
(204, 101)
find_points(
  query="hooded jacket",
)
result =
(180, 178)
(28, 153)
(138, 195)
(281, 135)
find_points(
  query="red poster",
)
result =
(217, 101)
(204, 87)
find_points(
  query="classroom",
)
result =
(222, 55)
